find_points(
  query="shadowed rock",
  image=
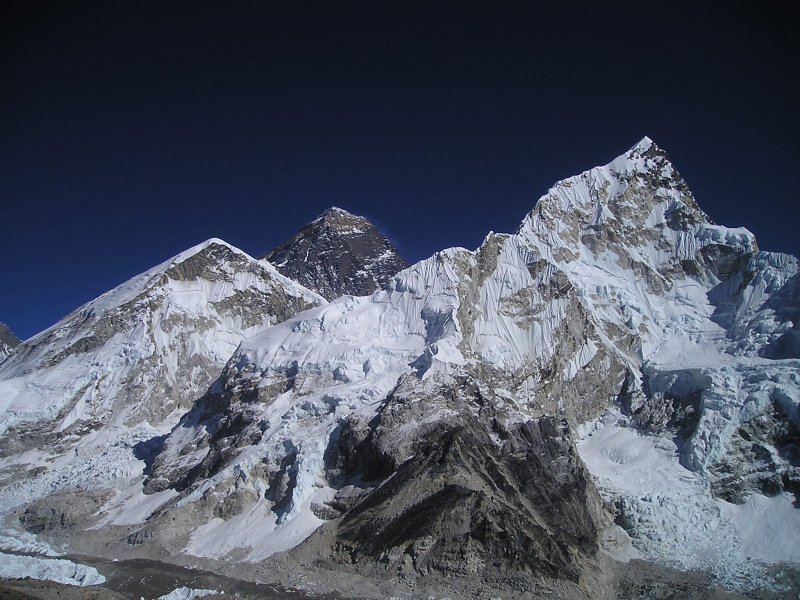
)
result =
(338, 254)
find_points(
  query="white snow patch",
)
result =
(185, 593)
(134, 506)
(769, 528)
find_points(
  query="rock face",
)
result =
(488, 415)
(439, 481)
(338, 254)
(466, 495)
(8, 341)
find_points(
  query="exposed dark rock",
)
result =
(62, 513)
(665, 401)
(8, 338)
(466, 495)
(8, 341)
(763, 457)
(338, 254)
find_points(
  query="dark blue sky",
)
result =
(131, 131)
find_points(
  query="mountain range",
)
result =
(608, 395)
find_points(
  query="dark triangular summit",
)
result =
(338, 254)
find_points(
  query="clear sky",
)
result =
(130, 131)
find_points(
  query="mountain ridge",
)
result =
(130, 362)
(619, 259)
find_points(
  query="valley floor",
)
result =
(148, 579)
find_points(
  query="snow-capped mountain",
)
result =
(8, 341)
(150, 346)
(616, 300)
(620, 376)
(336, 254)
(79, 400)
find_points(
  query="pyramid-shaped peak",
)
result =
(8, 341)
(338, 253)
(643, 145)
(340, 219)
(645, 158)
(623, 193)
(336, 212)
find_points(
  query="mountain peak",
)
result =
(637, 201)
(7, 337)
(8, 341)
(341, 221)
(643, 145)
(338, 254)
(335, 212)
(646, 157)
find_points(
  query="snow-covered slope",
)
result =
(617, 291)
(79, 401)
(336, 254)
(150, 346)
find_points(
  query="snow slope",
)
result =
(82, 404)
(157, 340)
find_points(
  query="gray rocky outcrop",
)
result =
(63, 513)
(8, 341)
(468, 495)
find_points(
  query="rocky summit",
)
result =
(603, 404)
(8, 341)
(336, 254)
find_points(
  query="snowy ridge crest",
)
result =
(136, 357)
